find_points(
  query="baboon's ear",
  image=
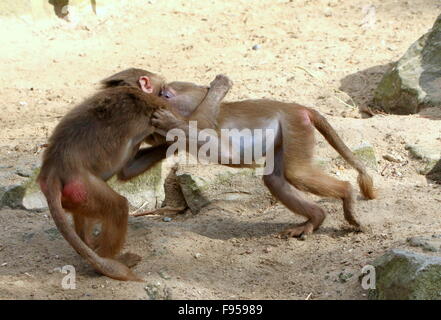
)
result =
(145, 84)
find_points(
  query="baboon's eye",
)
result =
(166, 94)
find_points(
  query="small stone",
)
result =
(392, 158)
(164, 275)
(197, 255)
(166, 219)
(154, 292)
(23, 103)
(344, 277)
(257, 47)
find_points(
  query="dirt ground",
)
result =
(318, 53)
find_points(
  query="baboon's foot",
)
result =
(129, 259)
(300, 231)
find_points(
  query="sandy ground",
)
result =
(317, 53)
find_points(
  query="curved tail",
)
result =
(364, 179)
(109, 267)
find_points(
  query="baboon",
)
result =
(92, 143)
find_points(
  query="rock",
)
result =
(365, 152)
(257, 47)
(404, 275)
(173, 193)
(164, 275)
(427, 154)
(215, 184)
(435, 173)
(146, 190)
(344, 277)
(426, 243)
(413, 81)
(46, 9)
(197, 255)
(166, 219)
(158, 291)
(11, 196)
(33, 198)
(328, 12)
(393, 158)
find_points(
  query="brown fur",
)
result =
(90, 144)
(293, 148)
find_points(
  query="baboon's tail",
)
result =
(109, 267)
(364, 179)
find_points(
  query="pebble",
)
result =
(197, 255)
(392, 158)
(257, 47)
(166, 219)
(344, 277)
(164, 275)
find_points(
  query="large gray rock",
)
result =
(404, 275)
(12, 188)
(146, 190)
(216, 184)
(432, 243)
(11, 195)
(414, 81)
(427, 154)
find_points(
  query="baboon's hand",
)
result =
(221, 82)
(164, 120)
